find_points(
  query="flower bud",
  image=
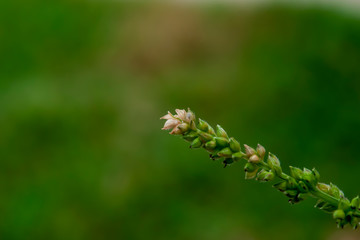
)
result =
(203, 126)
(296, 172)
(234, 145)
(264, 176)
(339, 214)
(274, 164)
(222, 142)
(190, 136)
(250, 167)
(237, 156)
(261, 151)
(196, 143)
(254, 159)
(249, 151)
(190, 116)
(309, 177)
(220, 132)
(211, 130)
(225, 152)
(210, 145)
(250, 175)
(281, 186)
(292, 183)
(184, 127)
(335, 191)
(205, 137)
(355, 203)
(323, 187)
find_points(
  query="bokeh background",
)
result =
(83, 84)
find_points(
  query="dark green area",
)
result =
(83, 85)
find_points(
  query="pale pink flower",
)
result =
(173, 121)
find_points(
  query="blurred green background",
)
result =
(83, 84)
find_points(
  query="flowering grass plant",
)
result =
(264, 166)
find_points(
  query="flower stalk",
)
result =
(264, 167)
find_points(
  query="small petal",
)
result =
(167, 116)
(170, 124)
(181, 114)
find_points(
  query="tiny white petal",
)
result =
(171, 123)
(167, 116)
(181, 114)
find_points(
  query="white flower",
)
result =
(173, 121)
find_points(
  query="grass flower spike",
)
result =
(264, 167)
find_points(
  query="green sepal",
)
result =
(222, 142)
(291, 193)
(292, 184)
(250, 167)
(234, 145)
(335, 191)
(355, 203)
(323, 187)
(237, 156)
(316, 174)
(265, 176)
(228, 161)
(225, 152)
(309, 177)
(302, 187)
(196, 143)
(190, 136)
(319, 204)
(220, 132)
(250, 175)
(211, 130)
(327, 207)
(203, 125)
(281, 186)
(296, 199)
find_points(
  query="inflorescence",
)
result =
(264, 167)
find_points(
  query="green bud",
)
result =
(264, 176)
(190, 136)
(261, 151)
(220, 132)
(281, 186)
(228, 161)
(296, 172)
(222, 142)
(211, 130)
(237, 156)
(274, 164)
(210, 145)
(234, 145)
(250, 175)
(196, 143)
(302, 187)
(335, 191)
(205, 137)
(339, 214)
(296, 199)
(308, 176)
(184, 127)
(323, 187)
(249, 167)
(316, 174)
(355, 203)
(225, 152)
(203, 126)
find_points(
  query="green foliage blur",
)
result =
(84, 83)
